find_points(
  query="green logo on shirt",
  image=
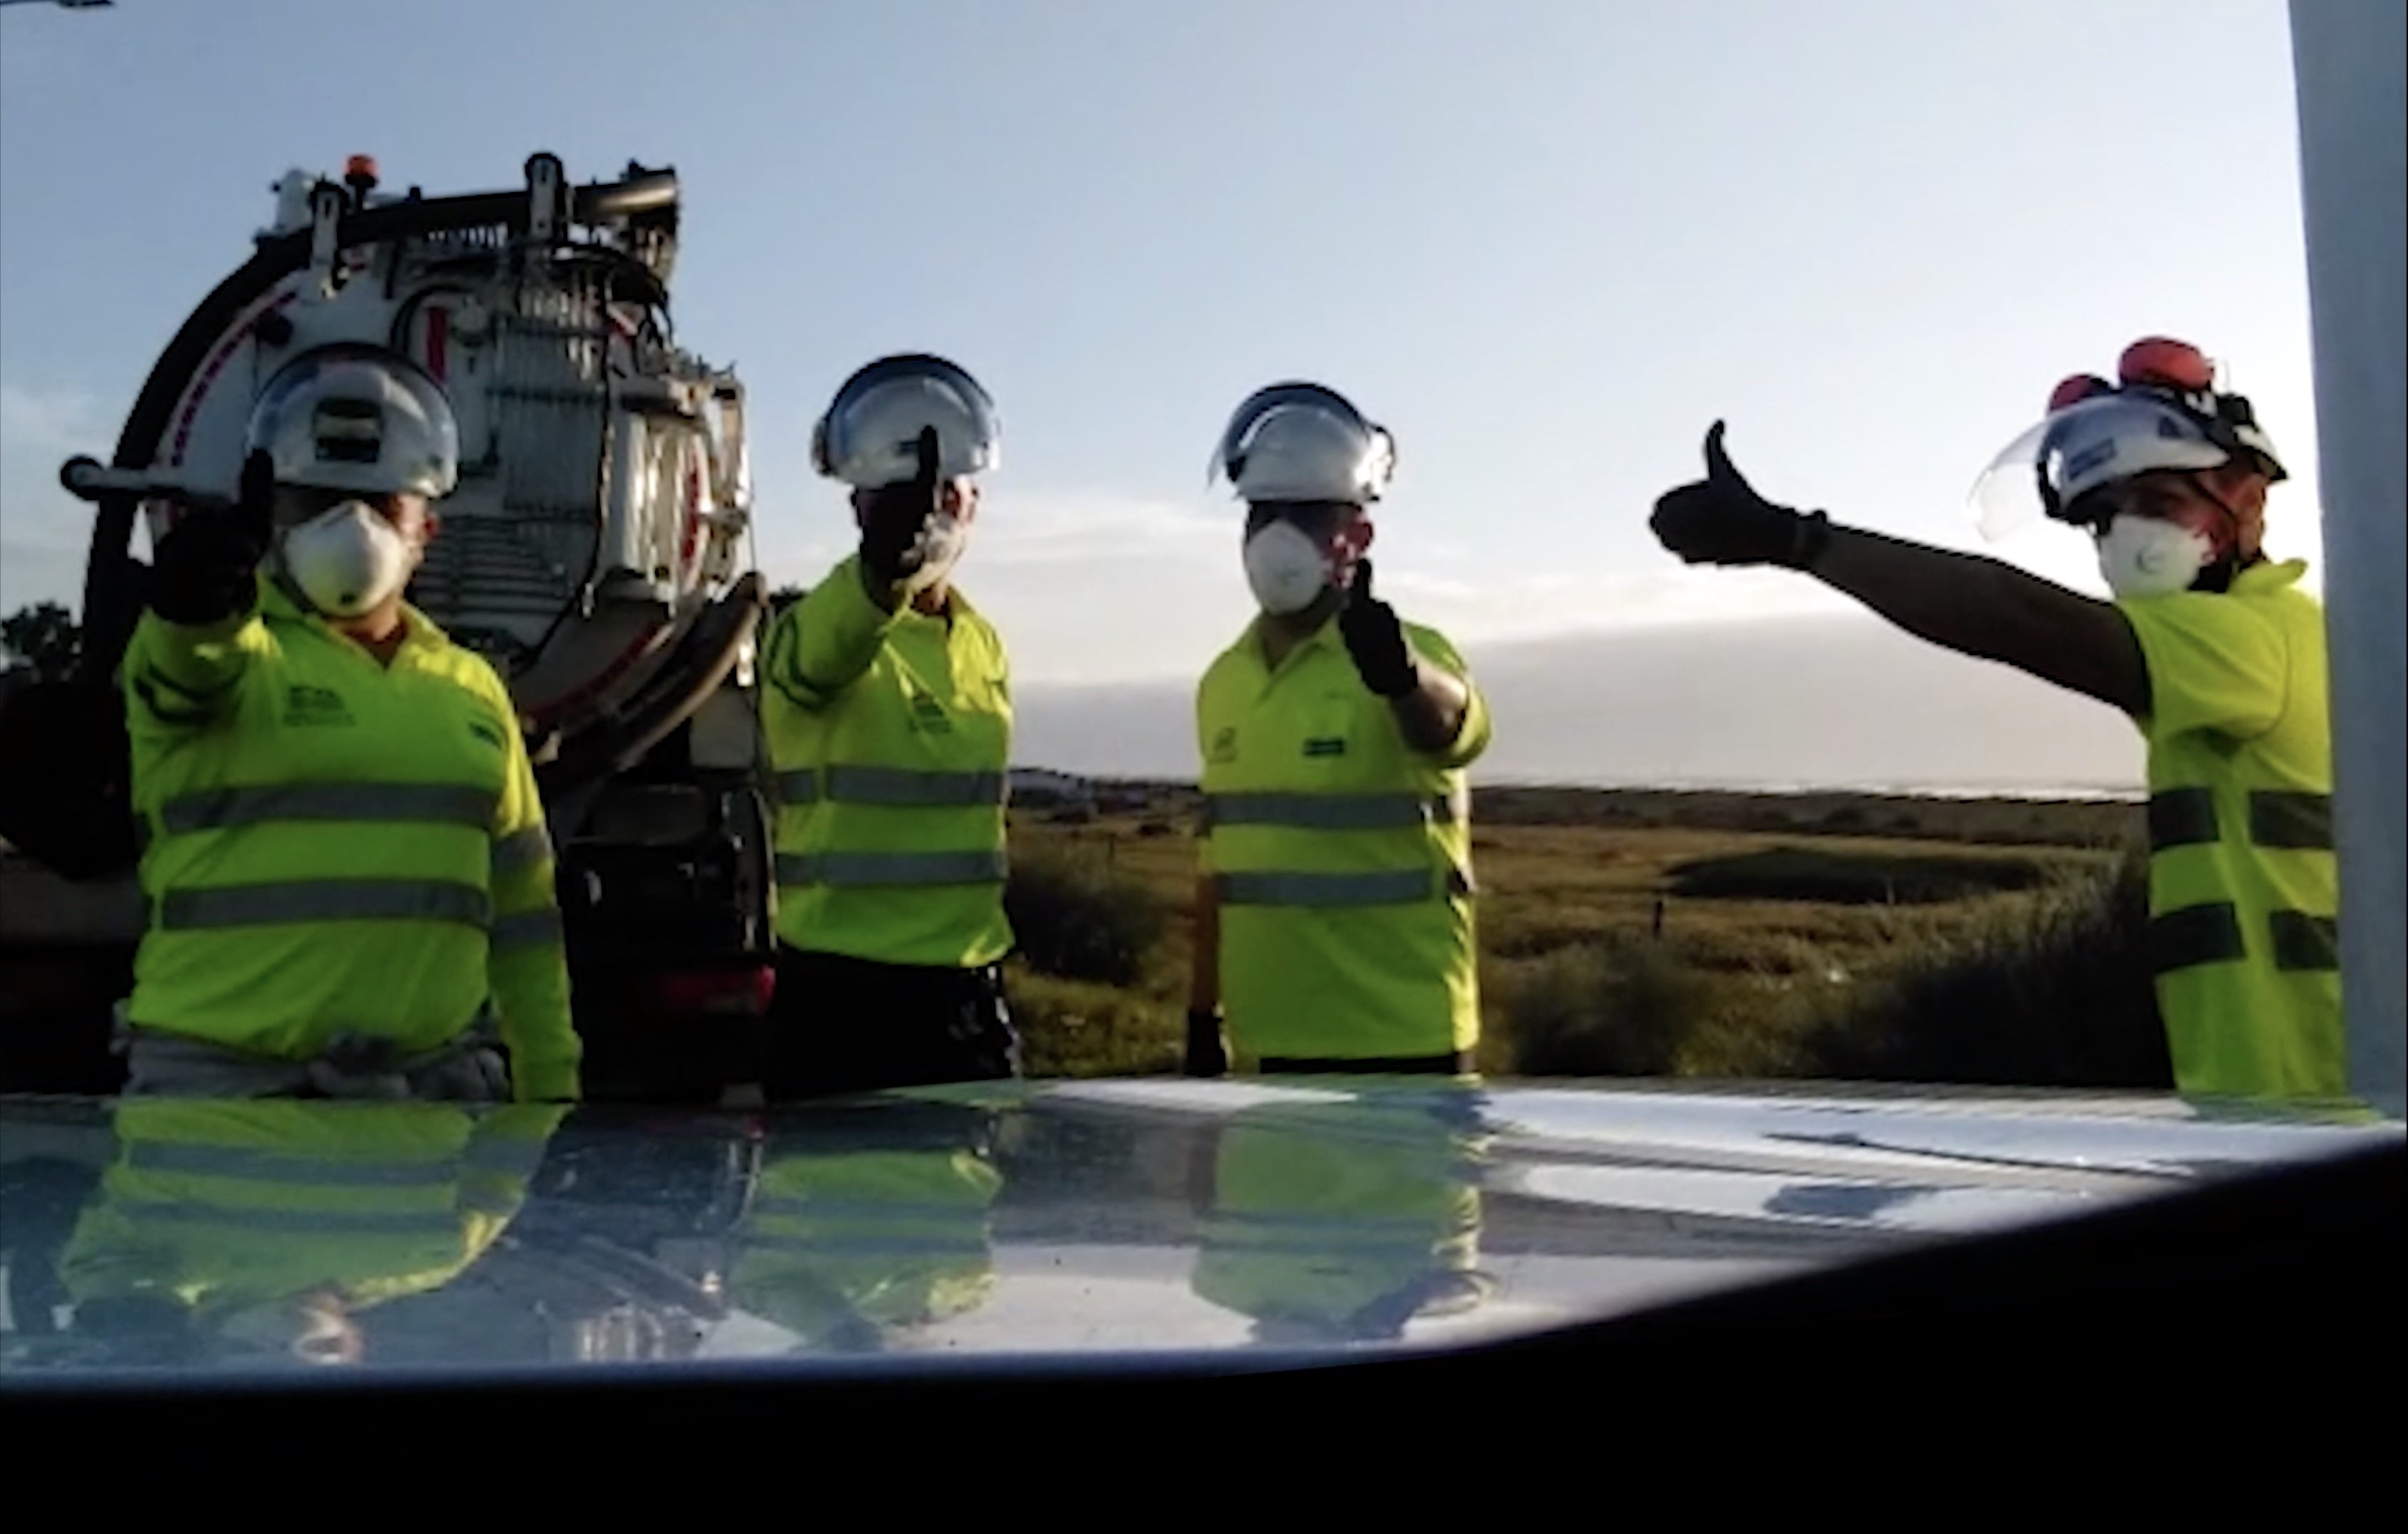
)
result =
(1224, 744)
(307, 705)
(929, 714)
(1327, 745)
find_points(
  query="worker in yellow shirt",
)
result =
(2208, 645)
(344, 853)
(869, 1225)
(1333, 911)
(225, 1228)
(888, 715)
(1345, 1222)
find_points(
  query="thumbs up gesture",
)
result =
(893, 529)
(201, 572)
(1376, 639)
(1721, 520)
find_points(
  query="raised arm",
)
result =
(191, 648)
(1969, 603)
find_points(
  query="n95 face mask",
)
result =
(2149, 556)
(1285, 568)
(347, 560)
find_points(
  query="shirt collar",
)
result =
(1322, 638)
(957, 607)
(2270, 575)
(419, 631)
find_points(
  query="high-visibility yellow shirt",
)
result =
(225, 1204)
(1340, 855)
(333, 845)
(885, 1238)
(1341, 1219)
(889, 735)
(2243, 891)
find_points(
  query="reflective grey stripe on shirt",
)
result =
(324, 901)
(521, 849)
(2303, 942)
(891, 869)
(493, 1156)
(2202, 934)
(1326, 811)
(801, 787)
(892, 787)
(2282, 819)
(270, 1167)
(440, 804)
(1390, 887)
(2179, 817)
(528, 929)
(906, 786)
(311, 1221)
(2290, 820)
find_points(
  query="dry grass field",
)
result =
(1669, 934)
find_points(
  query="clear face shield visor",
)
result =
(869, 437)
(2051, 466)
(1302, 442)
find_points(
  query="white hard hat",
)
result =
(1303, 442)
(2107, 437)
(869, 437)
(352, 416)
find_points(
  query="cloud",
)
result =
(60, 419)
(1788, 703)
(1077, 529)
(1088, 587)
(1590, 601)
(43, 530)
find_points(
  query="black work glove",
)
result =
(203, 571)
(1376, 639)
(890, 527)
(1721, 520)
(1207, 1055)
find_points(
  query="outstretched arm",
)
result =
(1974, 604)
(1989, 608)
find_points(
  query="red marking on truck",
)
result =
(210, 369)
(438, 338)
(550, 712)
(693, 537)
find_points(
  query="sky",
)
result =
(1546, 242)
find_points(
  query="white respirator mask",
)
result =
(2149, 556)
(1286, 569)
(347, 560)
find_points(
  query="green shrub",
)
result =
(1077, 918)
(2052, 990)
(1071, 1028)
(1614, 1008)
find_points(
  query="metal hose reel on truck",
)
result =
(593, 553)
